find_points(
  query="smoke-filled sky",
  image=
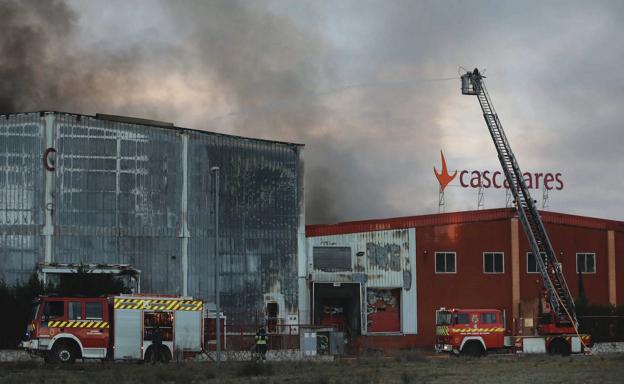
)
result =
(371, 87)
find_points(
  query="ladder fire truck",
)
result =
(475, 331)
(115, 328)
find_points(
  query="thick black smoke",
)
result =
(271, 69)
(227, 53)
(31, 41)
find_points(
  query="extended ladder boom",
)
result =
(557, 291)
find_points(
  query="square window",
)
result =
(585, 263)
(463, 318)
(54, 310)
(532, 263)
(74, 310)
(488, 318)
(493, 262)
(445, 262)
(93, 310)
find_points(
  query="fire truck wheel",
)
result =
(63, 352)
(559, 347)
(473, 349)
(166, 354)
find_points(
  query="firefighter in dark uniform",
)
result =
(261, 343)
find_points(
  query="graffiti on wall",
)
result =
(383, 310)
(385, 256)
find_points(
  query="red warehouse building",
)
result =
(382, 280)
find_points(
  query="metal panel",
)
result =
(128, 333)
(331, 259)
(21, 195)
(533, 345)
(126, 192)
(409, 309)
(188, 330)
(260, 217)
(380, 258)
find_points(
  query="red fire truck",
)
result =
(473, 332)
(117, 327)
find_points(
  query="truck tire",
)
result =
(165, 355)
(63, 353)
(473, 349)
(559, 347)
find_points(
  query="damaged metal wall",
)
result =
(379, 260)
(81, 189)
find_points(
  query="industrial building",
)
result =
(382, 280)
(124, 194)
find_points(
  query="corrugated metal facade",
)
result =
(125, 193)
(469, 236)
(379, 260)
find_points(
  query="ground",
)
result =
(409, 367)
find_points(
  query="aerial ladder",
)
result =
(560, 317)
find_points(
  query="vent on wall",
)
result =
(332, 259)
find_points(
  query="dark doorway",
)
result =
(338, 305)
(272, 311)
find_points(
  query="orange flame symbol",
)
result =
(443, 177)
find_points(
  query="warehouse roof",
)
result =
(456, 218)
(137, 121)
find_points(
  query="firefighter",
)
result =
(157, 345)
(261, 343)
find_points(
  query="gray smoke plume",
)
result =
(364, 85)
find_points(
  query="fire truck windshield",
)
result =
(33, 310)
(443, 318)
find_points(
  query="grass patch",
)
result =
(255, 369)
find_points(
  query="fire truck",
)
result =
(473, 332)
(479, 330)
(120, 327)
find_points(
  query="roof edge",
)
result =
(460, 217)
(147, 122)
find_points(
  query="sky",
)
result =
(370, 87)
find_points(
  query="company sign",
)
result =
(496, 179)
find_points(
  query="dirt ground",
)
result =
(404, 368)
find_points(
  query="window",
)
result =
(93, 310)
(445, 262)
(462, 318)
(493, 262)
(532, 263)
(74, 310)
(54, 309)
(332, 259)
(488, 318)
(585, 263)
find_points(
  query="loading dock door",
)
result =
(338, 305)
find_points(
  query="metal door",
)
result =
(128, 333)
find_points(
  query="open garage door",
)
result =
(338, 305)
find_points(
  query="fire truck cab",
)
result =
(469, 332)
(63, 329)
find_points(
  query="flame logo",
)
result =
(443, 177)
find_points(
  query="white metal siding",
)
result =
(387, 260)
